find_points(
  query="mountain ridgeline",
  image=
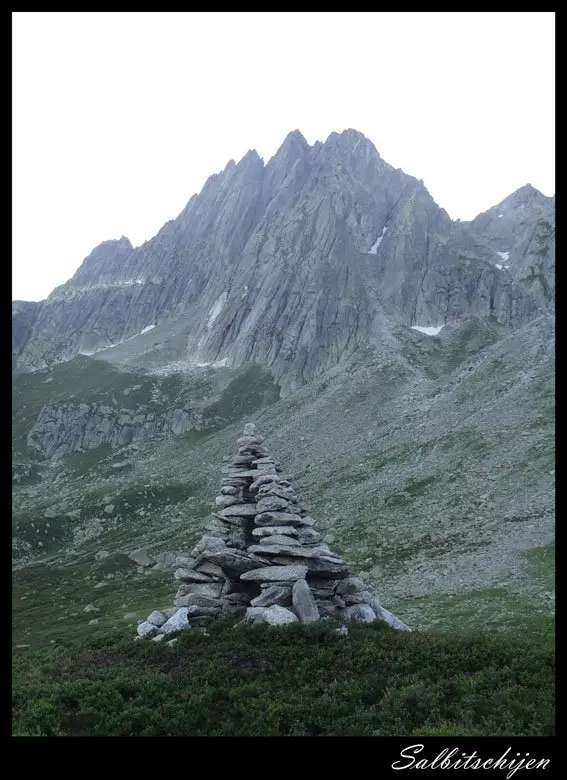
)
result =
(295, 264)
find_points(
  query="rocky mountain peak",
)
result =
(291, 264)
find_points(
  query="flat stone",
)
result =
(275, 574)
(278, 549)
(190, 575)
(279, 616)
(316, 566)
(235, 560)
(211, 569)
(176, 623)
(249, 429)
(359, 612)
(279, 539)
(242, 510)
(303, 602)
(272, 504)
(263, 461)
(274, 530)
(231, 522)
(275, 594)
(157, 618)
(194, 610)
(278, 518)
(211, 589)
(237, 471)
(140, 557)
(200, 599)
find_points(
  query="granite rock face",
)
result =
(521, 232)
(61, 429)
(292, 264)
(273, 583)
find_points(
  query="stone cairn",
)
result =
(261, 558)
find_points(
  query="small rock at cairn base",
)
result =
(303, 602)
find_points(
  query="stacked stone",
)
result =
(262, 559)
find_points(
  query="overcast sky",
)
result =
(119, 118)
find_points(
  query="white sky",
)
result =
(119, 118)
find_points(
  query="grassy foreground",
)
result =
(256, 680)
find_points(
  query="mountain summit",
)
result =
(293, 264)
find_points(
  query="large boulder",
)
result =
(278, 616)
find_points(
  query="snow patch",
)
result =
(504, 255)
(500, 216)
(374, 248)
(147, 329)
(429, 330)
(216, 308)
(245, 293)
(498, 266)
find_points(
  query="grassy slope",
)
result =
(296, 681)
(431, 473)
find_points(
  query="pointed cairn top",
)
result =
(261, 557)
